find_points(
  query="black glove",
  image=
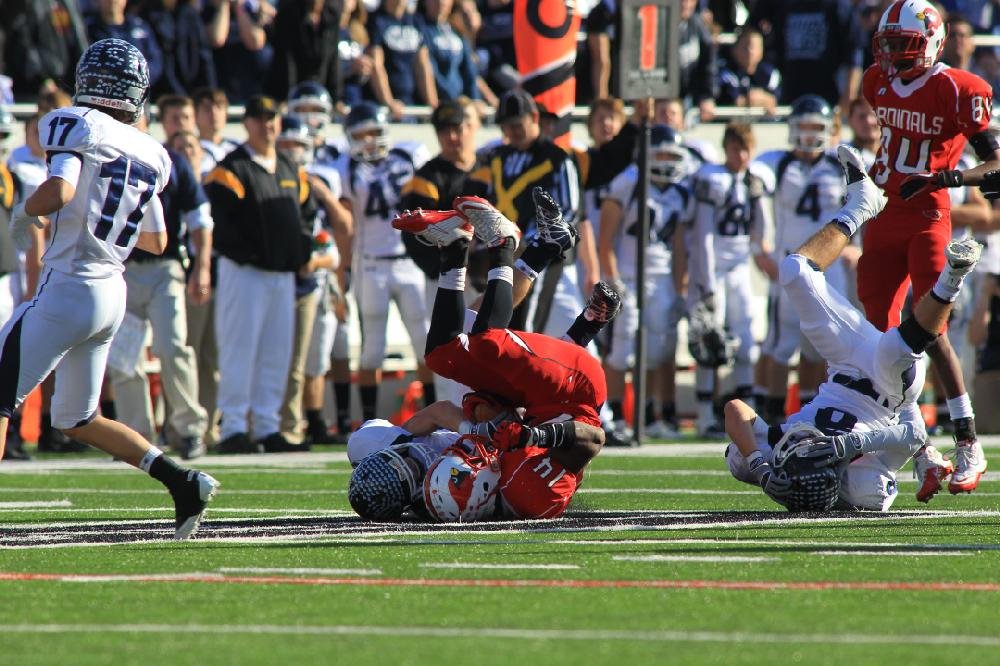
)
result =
(990, 187)
(929, 182)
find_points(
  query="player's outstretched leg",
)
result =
(500, 236)
(864, 201)
(603, 306)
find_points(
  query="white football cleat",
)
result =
(970, 465)
(190, 499)
(661, 430)
(491, 226)
(930, 468)
(865, 199)
(962, 256)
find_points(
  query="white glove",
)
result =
(20, 227)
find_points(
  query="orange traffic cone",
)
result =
(412, 396)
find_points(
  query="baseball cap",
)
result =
(449, 113)
(260, 105)
(514, 104)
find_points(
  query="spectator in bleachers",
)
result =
(402, 66)
(355, 64)
(44, 40)
(596, 55)
(243, 60)
(187, 54)
(697, 56)
(111, 21)
(260, 201)
(210, 109)
(670, 112)
(176, 114)
(810, 43)
(455, 70)
(745, 79)
(187, 145)
(495, 44)
(305, 40)
(865, 131)
(959, 47)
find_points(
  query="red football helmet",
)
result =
(461, 485)
(909, 39)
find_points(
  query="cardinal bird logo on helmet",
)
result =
(931, 19)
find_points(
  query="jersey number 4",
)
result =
(124, 173)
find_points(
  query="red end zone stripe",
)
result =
(472, 582)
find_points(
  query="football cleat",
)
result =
(604, 304)
(661, 430)
(552, 228)
(191, 496)
(930, 468)
(864, 198)
(962, 256)
(490, 225)
(619, 434)
(434, 227)
(970, 465)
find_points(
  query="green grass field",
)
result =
(663, 558)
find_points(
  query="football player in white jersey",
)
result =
(809, 188)
(729, 226)
(849, 442)
(372, 180)
(100, 199)
(670, 207)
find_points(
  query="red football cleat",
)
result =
(434, 227)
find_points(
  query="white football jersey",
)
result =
(725, 210)
(122, 171)
(669, 208)
(806, 196)
(373, 189)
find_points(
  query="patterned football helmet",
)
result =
(811, 488)
(462, 484)
(668, 158)
(312, 104)
(363, 118)
(810, 110)
(113, 74)
(388, 482)
(909, 38)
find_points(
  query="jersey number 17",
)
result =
(124, 177)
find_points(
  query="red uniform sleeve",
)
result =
(973, 104)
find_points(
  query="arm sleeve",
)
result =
(701, 250)
(200, 217)
(66, 166)
(975, 102)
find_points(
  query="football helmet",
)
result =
(113, 74)
(366, 127)
(388, 482)
(811, 488)
(668, 158)
(311, 103)
(463, 483)
(374, 435)
(810, 124)
(909, 38)
(295, 140)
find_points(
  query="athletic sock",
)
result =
(342, 394)
(650, 412)
(430, 393)
(454, 255)
(162, 468)
(617, 413)
(369, 401)
(536, 258)
(498, 300)
(774, 409)
(668, 409)
(315, 418)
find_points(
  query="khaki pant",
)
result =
(291, 407)
(986, 398)
(156, 292)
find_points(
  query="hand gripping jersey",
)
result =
(925, 124)
(122, 169)
(806, 196)
(669, 208)
(374, 189)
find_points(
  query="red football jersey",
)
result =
(925, 124)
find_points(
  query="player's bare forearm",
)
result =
(589, 441)
(441, 414)
(739, 426)
(50, 196)
(154, 242)
(974, 176)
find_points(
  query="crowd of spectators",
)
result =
(402, 52)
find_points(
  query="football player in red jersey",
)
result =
(927, 112)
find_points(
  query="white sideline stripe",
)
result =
(302, 571)
(13, 506)
(477, 565)
(694, 558)
(665, 636)
(889, 553)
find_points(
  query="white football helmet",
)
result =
(462, 484)
(909, 38)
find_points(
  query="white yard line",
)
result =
(694, 558)
(301, 571)
(17, 506)
(486, 567)
(889, 553)
(583, 635)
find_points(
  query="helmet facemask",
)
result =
(810, 133)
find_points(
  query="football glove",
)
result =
(929, 182)
(20, 227)
(828, 450)
(990, 185)
(776, 485)
(511, 435)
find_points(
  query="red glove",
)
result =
(510, 435)
(928, 182)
